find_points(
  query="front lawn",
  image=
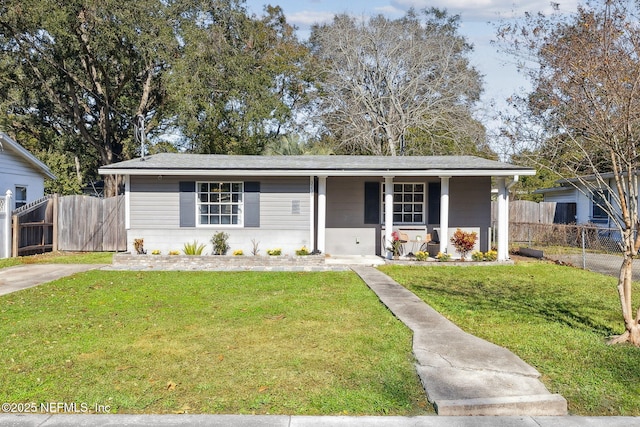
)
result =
(203, 342)
(555, 318)
(60, 257)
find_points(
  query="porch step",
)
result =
(353, 260)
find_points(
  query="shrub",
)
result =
(443, 257)
(155, 252)
(274, 252)
(193, 248)
(254, 249)
(422, 256)
(477, 256)
(138, 245)
(464, 242)
(174, 252)
(302, 251)
(238, 252)
(220, 243)
(491, 255)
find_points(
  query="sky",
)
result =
(478, 20)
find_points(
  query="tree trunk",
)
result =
(632, 328)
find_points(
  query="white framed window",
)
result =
(220, 203)
(20, 196)
(408, 203)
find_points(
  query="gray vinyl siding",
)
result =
(470, 202)
(155, 203)
(284, 203)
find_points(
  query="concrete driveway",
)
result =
(20, 277)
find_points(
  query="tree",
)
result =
(583, 115)
(238, 80)
(389, 82)
(84, 70)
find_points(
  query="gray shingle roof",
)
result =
(176, 162)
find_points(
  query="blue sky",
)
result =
(478, 21)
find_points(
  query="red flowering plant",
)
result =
(464, 242)
(396, 244)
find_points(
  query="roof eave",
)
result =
(318, 172)
(30, 158)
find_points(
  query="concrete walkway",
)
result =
(463, 374)
(26, 276)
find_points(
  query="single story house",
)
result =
(21, 173)
(337, 205)
(575, 203)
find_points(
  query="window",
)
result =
(599, 200)
(408, 203)
(21, 196)
(220, 203)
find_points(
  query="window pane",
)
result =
(225, 198)
(397, 208)
(215, 198)
(407, 218)
(419, 188)
(204, 198)
(417, 208)
(234, 209)
(417, 218)
(235, 187)
(407, 208)
(204, 209)
(408, 198)
(225, 209)
(418, 198)
(204, 219)
(225, 219)
(397, 188)
(235, 198)
(234, 220)
(408, 188)
(215, 187)
(215, 209)
(215, 220)
(397, 217)
(225, 187)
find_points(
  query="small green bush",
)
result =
(274, 252)
(477, 256)
(491, 255)
(220, 242)
(443, 257)
(302, 251)
(193, 248)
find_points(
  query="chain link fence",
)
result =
(584, 246)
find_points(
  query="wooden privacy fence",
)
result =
(69, 223)
(527, 211)
(91, 224)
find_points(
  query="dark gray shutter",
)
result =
(252, 204)
(187, 204)
(372, 203)
(433, 208)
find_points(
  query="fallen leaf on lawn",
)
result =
(171, 385)
(220, 358)
(263, 389)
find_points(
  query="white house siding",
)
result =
(155, 215)
(15, 171)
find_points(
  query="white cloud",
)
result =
(307, 18)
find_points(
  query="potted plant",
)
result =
(464, 242)
(395, 245)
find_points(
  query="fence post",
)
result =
(6, 232)
(584, 253)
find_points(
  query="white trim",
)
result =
(317, 172)
(444, 213)
(322, 212)
(127, 202)
(240, 205)
(312, 214)
(388, 214)
(503, 220)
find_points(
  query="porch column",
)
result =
(503, 220)
(444, 213)
(322, 212)
(388, 214)
(312, 214)
(6, 227)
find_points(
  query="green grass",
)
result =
(555, 318)
(60, 258)
(203, 342)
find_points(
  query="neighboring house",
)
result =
(21, 172)
(23, 175)
(579, 205)
(338, 205)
